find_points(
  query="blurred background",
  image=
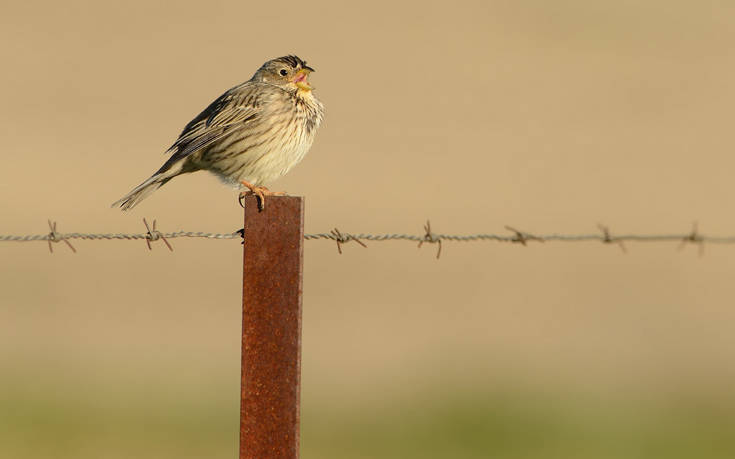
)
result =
(546, 116)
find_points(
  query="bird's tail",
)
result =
(142, 191)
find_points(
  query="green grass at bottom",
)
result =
(519, 426)
(478, 425)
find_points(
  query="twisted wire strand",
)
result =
(528, 236)
(153, 234)
(428, 237)
(111, 236)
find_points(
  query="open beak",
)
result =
(300, 79)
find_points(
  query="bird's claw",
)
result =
(260, 192)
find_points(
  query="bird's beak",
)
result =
(300, 79)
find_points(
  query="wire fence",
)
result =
(604, 235)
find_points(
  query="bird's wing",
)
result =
(232, 111)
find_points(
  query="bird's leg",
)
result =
(260, 191)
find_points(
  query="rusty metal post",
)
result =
(271, 328)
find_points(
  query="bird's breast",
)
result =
(283, 139)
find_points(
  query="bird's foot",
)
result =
(260, 191)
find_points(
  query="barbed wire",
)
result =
(152, 234)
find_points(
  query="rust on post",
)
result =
(271, 328)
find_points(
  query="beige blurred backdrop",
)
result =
(546, 116)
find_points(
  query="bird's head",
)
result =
(287, 71)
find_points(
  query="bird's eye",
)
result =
(283, 72)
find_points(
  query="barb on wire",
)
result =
(342, 238)
(53, 236)
(608, 239)
(522, 237)
(153, 235)
(431, 239)
(693, 238)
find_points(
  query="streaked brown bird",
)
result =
(251, 135)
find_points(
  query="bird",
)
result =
(251, 135)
